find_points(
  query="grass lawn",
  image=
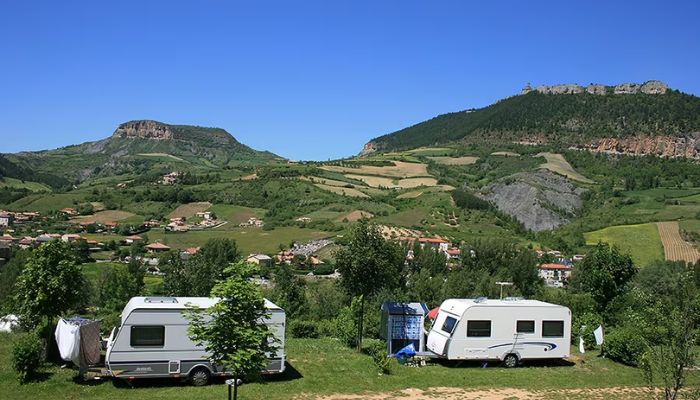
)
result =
(44, 203)
(18, 184)
(641, 241)
(235, 214)
(249, 240)
(318, 367)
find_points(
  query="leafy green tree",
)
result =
(234, 336)
(50, 284)
(220, 252)
(604, 273)
(176, 280)
(9, 274)
(671, 351)
(116, 287)
(288, 292)
(367, 265)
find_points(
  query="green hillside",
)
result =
(564, 118)
(154, 146)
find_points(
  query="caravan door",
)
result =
(441, 333)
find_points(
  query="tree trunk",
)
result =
(360, 323)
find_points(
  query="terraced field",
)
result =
(342, 190)
(392, 183)
(675, 248)
(558, 164)
(466, 160)
(400, 169)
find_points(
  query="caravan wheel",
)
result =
(510, 361)
(200, 377)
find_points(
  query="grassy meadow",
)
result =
(324, 367)
(641, 241)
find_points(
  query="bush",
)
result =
(303, 329)
(591, 322)
(346, 327)
(377, 350)
(326, 328)
(27, 355)
(625, 345)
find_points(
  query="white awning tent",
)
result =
(8, 323)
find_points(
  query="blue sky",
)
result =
(314, 80)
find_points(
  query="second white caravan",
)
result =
(152, 341)
(509, 330)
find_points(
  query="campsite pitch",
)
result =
(326, 369)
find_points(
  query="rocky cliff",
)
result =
(664, 146)
(539, 200)
(144, 130)
(648, 87)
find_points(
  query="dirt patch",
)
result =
(451, 393)
(467, 160)
(328, 182)
(505, 154)
(104, 216)
(394, 232)
(558, 164)
(675, 248)
(161, 155)
(189, 210)
(355, 216)
(382, 182)
(248, 177)
(400, 169)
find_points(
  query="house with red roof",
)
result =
(157, 247)
(555, 274)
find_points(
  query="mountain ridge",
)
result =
(565, 114)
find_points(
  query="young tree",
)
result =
(368, 264)
(49, 285)
(672, 349)
(176, 281)
(604, 273)
(288, 291)
(234, 336)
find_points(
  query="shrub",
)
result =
(345, 327)
(303, 329)
(326, 328)
(27, 355)
(591, 322)
(377, 350)
(625, 345)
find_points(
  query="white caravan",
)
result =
(152, 341)
(510, 330)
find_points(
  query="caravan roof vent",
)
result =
(160, 300)
(513, 299)
(480, 299)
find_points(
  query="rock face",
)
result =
(144, 130)
(539, 200)
(665, 146)
(368, 148)
(649, 87)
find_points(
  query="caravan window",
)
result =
(449, 324)
(147, 336)
(478, 328)
(525, 327)
(552, 328)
